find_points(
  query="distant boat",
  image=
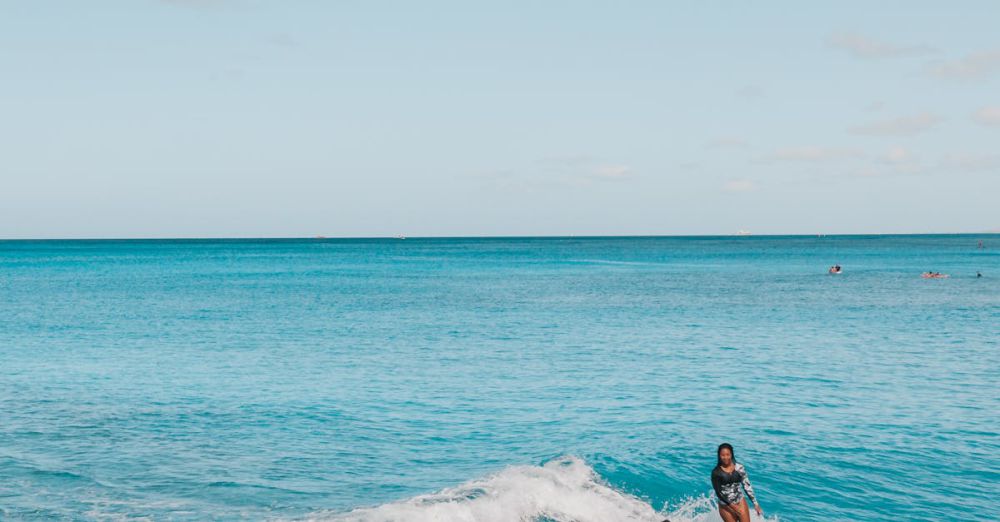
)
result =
(400, 236)
(742, 232)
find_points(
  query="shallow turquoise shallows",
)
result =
(556, 379)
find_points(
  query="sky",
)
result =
(229, 118)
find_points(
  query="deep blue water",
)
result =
(498, 379)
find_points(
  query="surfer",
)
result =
(835, 269)
(727, 477)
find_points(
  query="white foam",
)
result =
(563, 490)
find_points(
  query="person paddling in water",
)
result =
(727, 477)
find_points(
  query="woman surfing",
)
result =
(727, 477)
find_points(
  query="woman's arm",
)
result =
(749, 489)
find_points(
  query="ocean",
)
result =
(501, 379)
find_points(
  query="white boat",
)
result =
(742, 232)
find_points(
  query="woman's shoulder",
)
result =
(738, 468)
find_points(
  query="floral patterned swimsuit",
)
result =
(727, 485)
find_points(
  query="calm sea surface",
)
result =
(557, 379)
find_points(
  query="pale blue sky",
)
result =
(201, 118)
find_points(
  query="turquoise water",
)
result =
(498, 379)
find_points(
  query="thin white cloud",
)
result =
(861, 46)
(971, 162)
(559, 171)
(750, 92)
(282, 40)
(611, 171)
(690, 166)
(987, 116)
(900, 160)
(738, 185)
(894, 161)
(812, 154)
(728, 142)
(975, 66)
(582, 167)
(875, 106)
(897, 155)
(902, 126)
(564, 162)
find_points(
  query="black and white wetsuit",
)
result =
(727, 485)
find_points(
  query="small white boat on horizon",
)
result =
(742, 232)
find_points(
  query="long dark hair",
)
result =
(724, 445)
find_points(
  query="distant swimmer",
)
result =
(979, 274)
(933, 275)
(727, 477)
(835, 269)
(980, 245)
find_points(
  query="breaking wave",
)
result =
(563, 490)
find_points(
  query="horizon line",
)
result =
(562, 236)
